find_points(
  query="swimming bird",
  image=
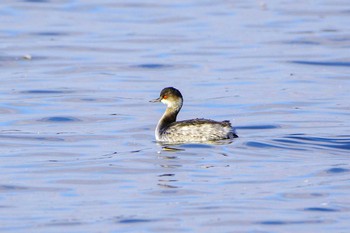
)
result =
(169, 130)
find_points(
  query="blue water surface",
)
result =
(77, 146)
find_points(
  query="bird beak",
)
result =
(156, 100)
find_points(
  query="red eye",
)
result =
(165, 97)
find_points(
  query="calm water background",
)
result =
(77, 148)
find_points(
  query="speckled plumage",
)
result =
(196, 130)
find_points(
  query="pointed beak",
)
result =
(156, 100)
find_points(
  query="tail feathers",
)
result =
(233, 134)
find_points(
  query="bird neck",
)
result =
(168, 117)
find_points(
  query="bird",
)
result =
(169, 130)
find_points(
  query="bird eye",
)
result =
(165, 97)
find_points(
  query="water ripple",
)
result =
(134, 220)
(154, 66)
(258, 127)
(339, 142)
(12, 188)
(338, 170)
(60, 119)
(321, 209)
(43, 91)
(279, 222)
(322, 63)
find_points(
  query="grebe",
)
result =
(169, 130)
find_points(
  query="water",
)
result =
(77, 147)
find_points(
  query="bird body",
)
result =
(169, 130)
